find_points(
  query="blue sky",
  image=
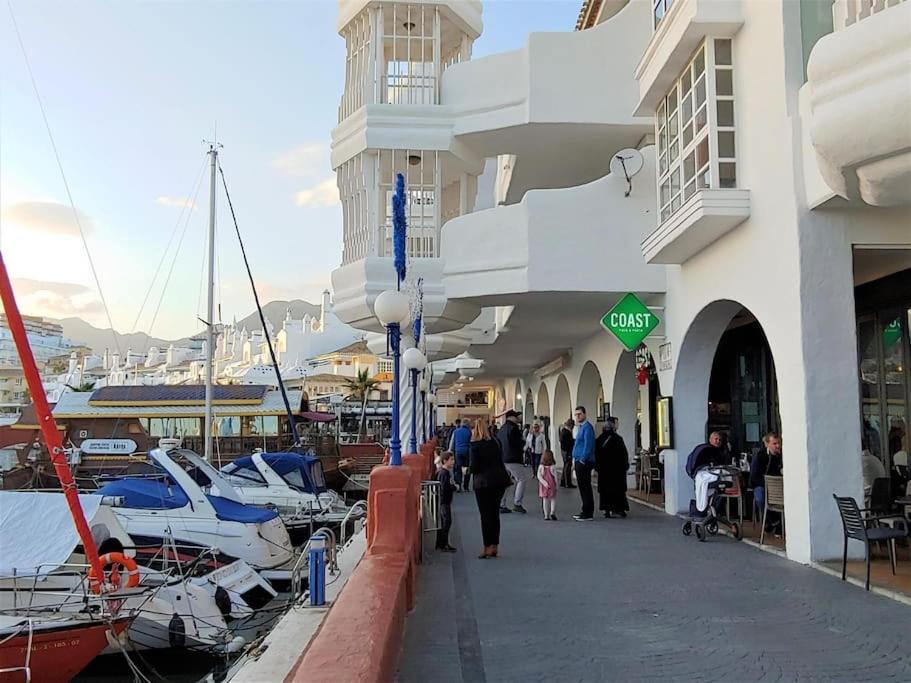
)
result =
(131, 89)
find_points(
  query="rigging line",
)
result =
(262, 318)
(66, 184)
(185, 208)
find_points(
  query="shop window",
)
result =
(694, 128)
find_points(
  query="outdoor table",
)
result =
(905, 500)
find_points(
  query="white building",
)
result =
(742, 167)
(45, 337)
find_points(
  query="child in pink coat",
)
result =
(547, 484)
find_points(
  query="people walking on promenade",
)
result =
(584, 463)
(513, 448)
(547, 484)
(447, 488)
(458, 445)
(612, 464)
(566, 451)
(489, 479)
(535, 445)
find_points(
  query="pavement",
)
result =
(635, 600)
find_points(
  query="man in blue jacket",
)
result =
(584, 463)
(461, 438)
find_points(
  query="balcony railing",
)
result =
(848, 12)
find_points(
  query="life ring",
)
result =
(115, 579)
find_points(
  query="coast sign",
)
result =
(630, 321)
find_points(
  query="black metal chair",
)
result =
(855, 526)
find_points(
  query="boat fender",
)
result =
(116, 561)
(236, 645)
(223, 601)
(177, 631)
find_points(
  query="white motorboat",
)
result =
(294, 485)
(43, 568)
(173, 507)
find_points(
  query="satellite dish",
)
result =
(627, 163)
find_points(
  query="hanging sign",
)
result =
(665, 357)
(108, 446)
(630, 321)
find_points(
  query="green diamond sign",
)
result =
(630, 321)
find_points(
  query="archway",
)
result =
(725, 382)
(529, 407)
(515, 398)
(543, 410)
(625, 398)
(563, 406)
(591, 393)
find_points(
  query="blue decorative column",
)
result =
(395, 442)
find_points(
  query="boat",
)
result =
(170, 506)
(294, 485)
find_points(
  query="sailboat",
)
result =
(53, 643)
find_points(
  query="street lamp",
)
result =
(415, 362)
(391, 308)
(424, 386)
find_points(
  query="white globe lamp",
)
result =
(391, 307)
(414, 359)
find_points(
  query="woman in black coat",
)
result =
(612, 464)
(489, 479)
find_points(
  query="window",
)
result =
(661, 8)
(694, 128)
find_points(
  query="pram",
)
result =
(711, 480)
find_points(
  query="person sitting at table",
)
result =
(873, 469)
(767, 461)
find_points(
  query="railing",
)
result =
(848, 12)
(430, 505)
(343, 531)
(302, 562)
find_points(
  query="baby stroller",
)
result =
(711, 481)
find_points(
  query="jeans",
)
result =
(464, 473)
(488, 499)
(584, 480)
(535, 461)
(445, 526)
(517, 472)
(772, 518)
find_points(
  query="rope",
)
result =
(66, 185)
(262, 317)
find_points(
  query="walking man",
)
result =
(461, 438)
(512, 446)
(566, 450)
(584, 462)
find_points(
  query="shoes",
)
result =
(504, 510)
(546, 518)
(553, 518)
(623, 515)
(580, 518)
(448, 549)
(519, 508)
(608, 515)
(571, 486)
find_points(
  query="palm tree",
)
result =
(361, 385)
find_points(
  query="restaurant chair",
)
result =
(856, 526)
(881, 505)
(735, 492)
(774, 501)
(649, 473)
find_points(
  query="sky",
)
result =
(131, 89)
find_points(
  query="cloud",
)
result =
(56, 299)
(310, 160)
(320, 195)
(49, 217)
(176, 201)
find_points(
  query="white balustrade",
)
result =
(848, 12)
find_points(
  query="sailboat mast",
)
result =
(210, 309)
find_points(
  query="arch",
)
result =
(563, 406)
(625, 398)
(542, 408)
(529, 415)
(591, 391)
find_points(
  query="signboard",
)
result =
(108, 446)
(665, 357)
(630, 321)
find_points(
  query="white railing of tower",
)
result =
(848, 12)
(355, 209)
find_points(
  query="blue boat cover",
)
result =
(303, 472)
(146, 494)
(153, 494)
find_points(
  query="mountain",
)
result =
(99, 339)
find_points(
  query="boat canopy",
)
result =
(37, 534)
(303, 472)
(156, 494)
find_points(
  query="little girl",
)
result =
(547, 485)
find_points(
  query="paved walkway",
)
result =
(633, 599)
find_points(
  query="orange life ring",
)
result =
(116, 561)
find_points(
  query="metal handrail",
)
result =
(430, 505)
(343, 531)
(303, 559)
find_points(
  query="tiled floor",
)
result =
(635, 600)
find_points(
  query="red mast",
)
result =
(46, 420)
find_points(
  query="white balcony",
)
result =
(859, 95)
(575, 240)
(702, 219)
(685, 25)
(562, 103)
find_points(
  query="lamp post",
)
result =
(424, 386)
(415, 362)
(391, 308)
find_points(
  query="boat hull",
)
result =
(57, 654)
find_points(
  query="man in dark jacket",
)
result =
(566, 450)
(612, 464)
(513, 447)
(766, 462)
